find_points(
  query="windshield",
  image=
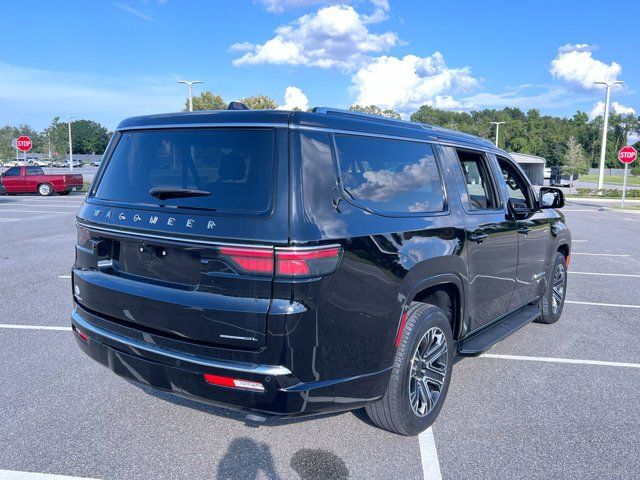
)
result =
(234, 166)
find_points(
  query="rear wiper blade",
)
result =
(164, 193)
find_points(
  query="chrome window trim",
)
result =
(221, 364)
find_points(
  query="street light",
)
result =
(603, 149)
(190, 83)
(70, 144)
(497, 124)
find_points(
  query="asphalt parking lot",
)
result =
(558, 401)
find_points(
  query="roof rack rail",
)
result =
(368, 116)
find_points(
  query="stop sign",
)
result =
(627, 154)
(24, 143)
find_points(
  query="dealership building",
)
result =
(532, 165)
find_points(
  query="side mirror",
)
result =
(551, 198)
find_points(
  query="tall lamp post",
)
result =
(497, 124)
(603, 149)
(190, 83)
(70, 144)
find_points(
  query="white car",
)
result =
(96, 163)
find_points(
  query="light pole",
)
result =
(497, 124)
(190, 83)
(70, 144)
(603, 149)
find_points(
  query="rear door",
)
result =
(186, 265)
(492, 244)
(13, 181)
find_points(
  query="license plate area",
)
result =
(158, 262)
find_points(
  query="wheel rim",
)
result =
(44, 189)
(428, 372)
(558, 289)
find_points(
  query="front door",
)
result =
(492, 244)
(12, 180)
(534, 235)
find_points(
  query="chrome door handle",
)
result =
(478, 237)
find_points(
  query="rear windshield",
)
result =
(234, 166)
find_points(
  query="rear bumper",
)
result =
(183, 374)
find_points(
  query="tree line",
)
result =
(560, 140)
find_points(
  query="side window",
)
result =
(12, 172)
(477, 179)
(35, 171)
(516, 185)
(390, 176)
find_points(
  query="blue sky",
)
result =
(106, 60)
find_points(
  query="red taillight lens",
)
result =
(83, 336)
(308, 262)
(233, 383)
(83, 236)
(250, 260)
(288, 262)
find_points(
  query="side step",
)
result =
(487, 338)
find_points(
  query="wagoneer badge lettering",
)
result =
(191, 223)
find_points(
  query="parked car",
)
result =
(32, 179)
(76, 164)
(96, 163)
(292, 263)
(40, 162)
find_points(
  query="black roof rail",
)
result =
(368, 116)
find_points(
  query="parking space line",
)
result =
(597, 304)
(33, 327)
(16, 475)
(601, 254)
(606, 274)
(579, 241)
(561, 360)
(64, 276)
(429, 455)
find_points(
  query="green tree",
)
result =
(375, 110)
(88, 137)
(260, 102)
(575, 161)
(206, 101)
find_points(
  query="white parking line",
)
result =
(33, 327)
(601, 254)
(15, 475)
(606, 274)
(562, 360)
(597, 304)
(579, 241)
(429, 455)
(64, 276)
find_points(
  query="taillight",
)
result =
(284, 262)
(233, 383)
(83, 236)
(314, 262)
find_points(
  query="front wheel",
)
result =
(420, 376)
(45, 189)
(556, 291)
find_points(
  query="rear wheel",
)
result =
(420, 376)
(554, 295)
(45, 189)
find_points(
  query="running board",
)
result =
(487, 338)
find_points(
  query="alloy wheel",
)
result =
(428, 372)
(558, 288)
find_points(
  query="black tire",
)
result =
(394, 411)
(45, 189)
(552, 301)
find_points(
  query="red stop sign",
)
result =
(627, 154)
(24, 143)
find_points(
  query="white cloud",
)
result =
(404, 84)
(35, 96)
(598, 109)
(133, 11)
(333, 37)
(380, 7)
(294, 98)
(575, 65)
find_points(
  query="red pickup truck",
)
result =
(32, 179)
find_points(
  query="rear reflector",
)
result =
(83, 336)
(233, 383)
(284, 262)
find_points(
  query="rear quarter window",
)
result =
(390, 176)
(235, 166)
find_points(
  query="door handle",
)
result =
(478, 237)
(524, 230)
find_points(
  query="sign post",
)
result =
(23, 143)
(626, 155)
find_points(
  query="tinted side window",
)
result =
(475, 170)
(516, 185)
(392, 176)
(35, 171)
(12, 172)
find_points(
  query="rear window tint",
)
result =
(391, 176)
(235, 166)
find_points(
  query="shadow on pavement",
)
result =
(245, 458)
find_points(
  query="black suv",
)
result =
(292, 263)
